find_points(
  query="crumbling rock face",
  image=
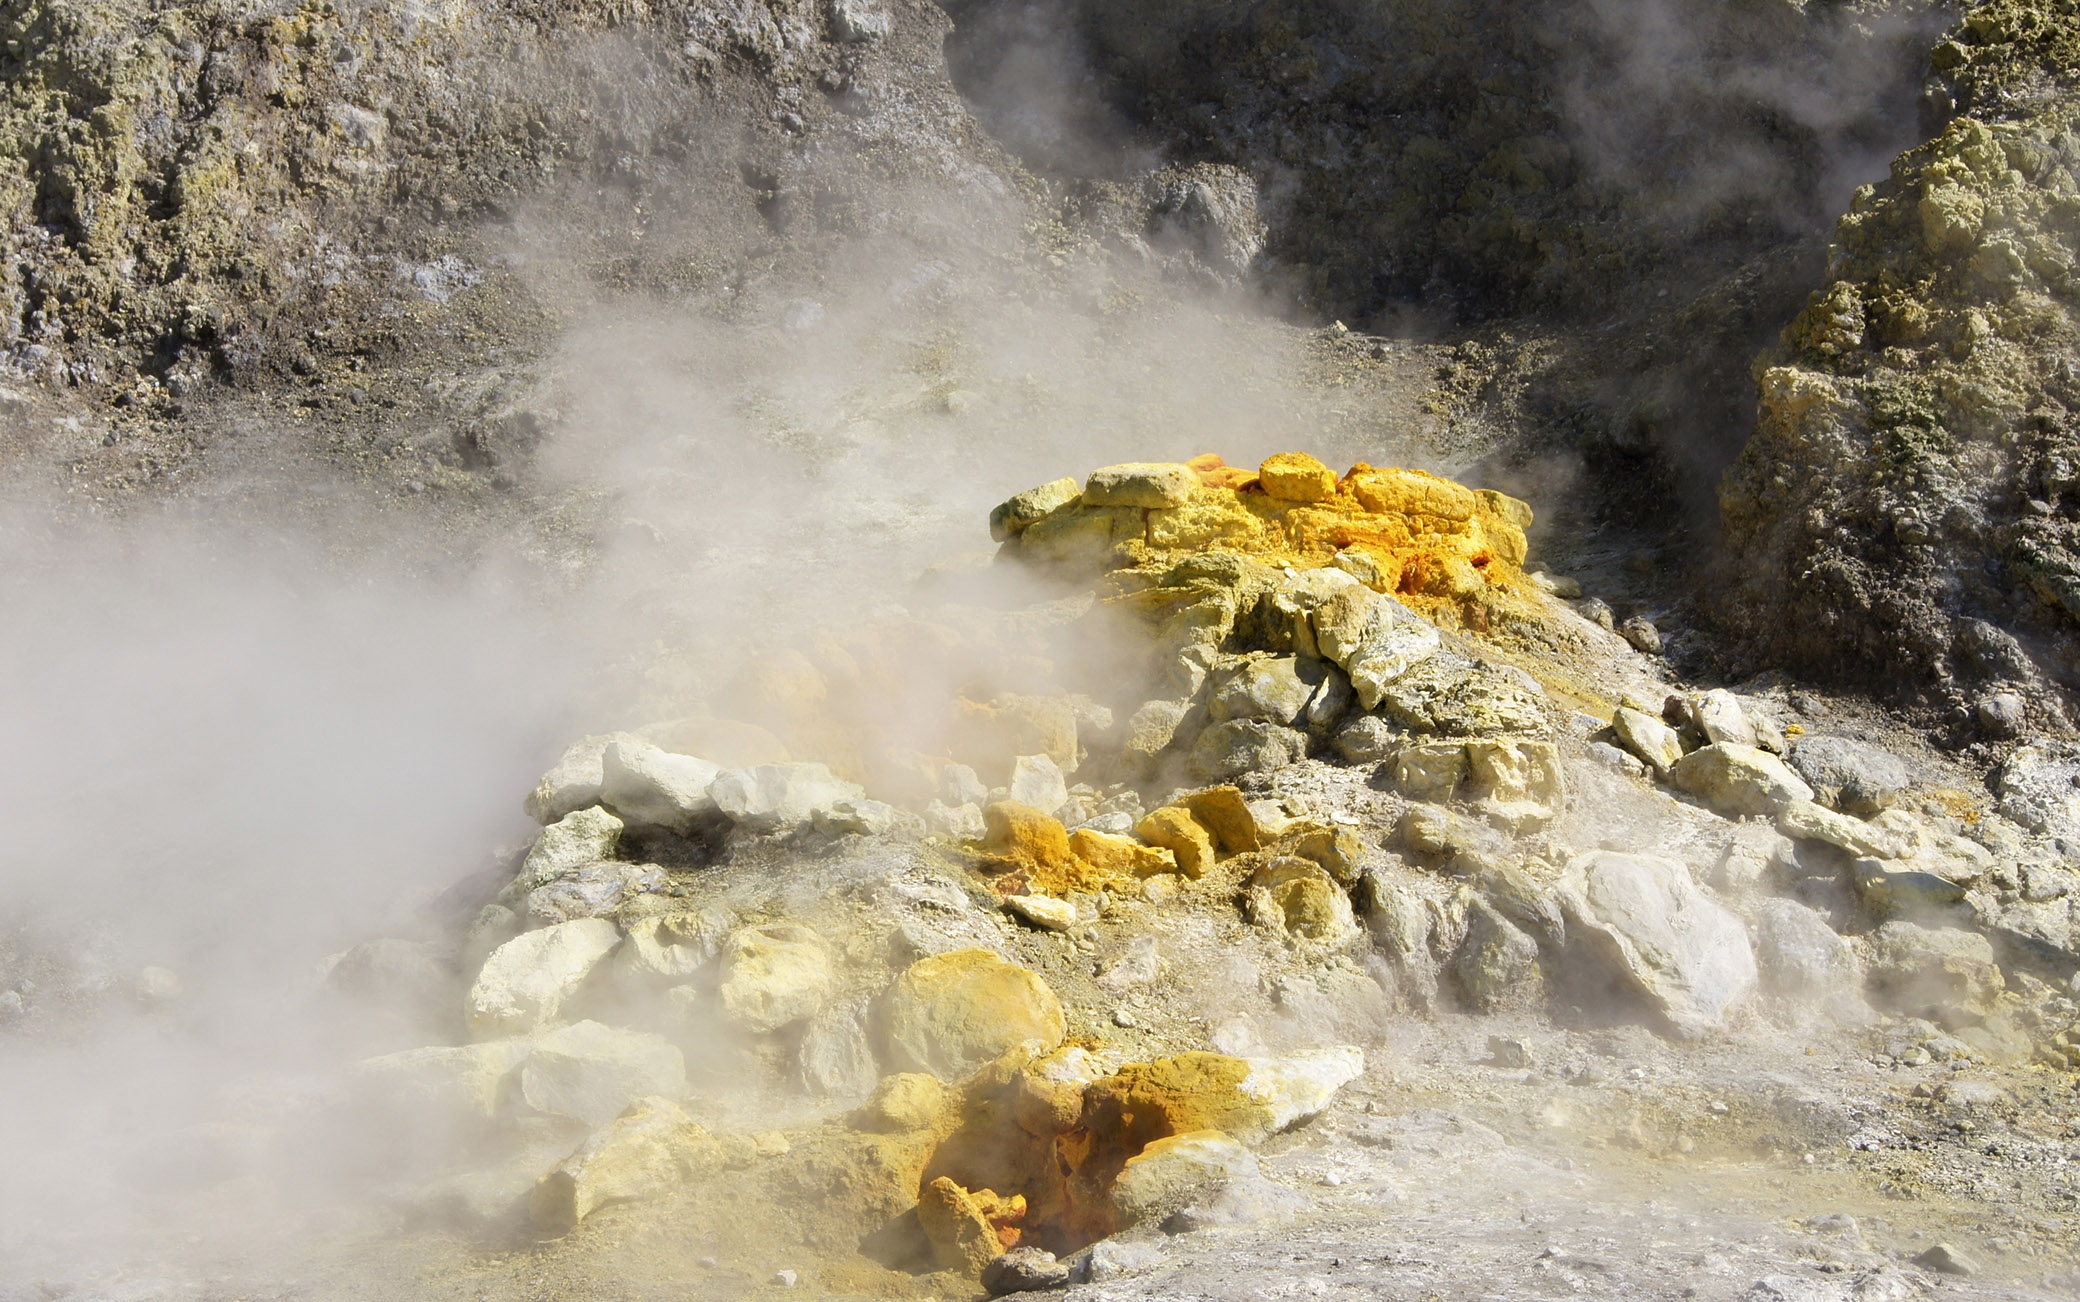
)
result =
(1903, 512)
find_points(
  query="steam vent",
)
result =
(922, 650)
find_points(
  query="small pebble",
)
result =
(785, 1278)
(1640, 631)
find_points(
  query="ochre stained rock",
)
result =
(968, 1230)
(1296, 477)
(1174, 828)
(1224, 813)
(1120, 856)
(950, 1013)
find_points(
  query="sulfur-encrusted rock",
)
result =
(652, 787)
(1374, 639)
(578, 838)
(1174, 828)
(1141, 484)
(1300, 900)
(1120, 856)
(781, 797)
(592, 1072)
(1738, 780)
(1224, 812)
(1151, 730)
(1296, 477)
(951, 1013)
(1012, 517)
(1645, 918)
(1268, 688)
(1248, 1099)
(669, 948)
(647, 1152)
(526, 981)
(774, 976)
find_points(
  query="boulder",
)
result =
(1142, 483)
(1174, 828)
(526, 981)
(1428, 770)
(836, 1059)
(774, 976)
(670, 948)
(1850, 776)
(592, 1072)
(1241, 746)
(580, 837)
(442, 1088)
(1296, 477)
(573, 782)
(2039, 788)
(1120, 856)
(1800, 956)
(1648, 737)
(1737, 780)
(1043, 911)
(1283, 615)
(1151, 730)
(780, 797)
(591, 891)
(652, 787)
(648, 1151)
(1656, 931)
(1177, 1171)
(1024, 1270)
(1935, 972)
(1722, 721)
(1012, 517)
(1804, 820)
(951, 1013)
(1518, 784)
(1298, 899)
(1497, 964)
(954, 823)
(1267, 688)
(1247, 1099)
(1457, 698)
(1036, 780)
(1373, 638)
(1224, 812)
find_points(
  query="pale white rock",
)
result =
(1286, 1091)
(1648, 737)
(1430, 770)
(1800, 956)
(1721, 719)
(580, 837)
(574, 781)
(591, 891)
(1519, 784)
(669, 948)
(863, 818)
(1177, 1170)
(1043, 911)
(1662, 935)
(653, 787)
(646, 1152)
(1036, 780)
(527, 980)
(958, 822)
(1738, 780)
(452, 1085)
(592, 1072)
(1806, 820)
(775, 976)
(780, 797)
(1374, 639)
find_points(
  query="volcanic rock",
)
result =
(1800, 956)
(646, 1152)
(1178, 1170)
(1176, 829)
(1143, 484)
(592, 1072)
(1850, 776)
(774, 976)
(580, 837)
(951, 1013)
(574, 781)
(780, 797)
(1022, 509)
(1244, 746)
(1648, 737)
(1296, 477)
(1738, 780)
(1655, 930)
(527, 980)
(652, 787)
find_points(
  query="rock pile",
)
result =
(1303, 738)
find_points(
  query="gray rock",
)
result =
(1738, 780)
(1365, 740)
(1640, 631)
(1800, 956)
(526, 981)
(959, 823)
(1946, 1260)
(853, 21)
(1024, 1270)
(1179, 1170)
(1226, 751)
(580, 837)
(780, 797)
(2039, 788)
(1497, 965)
(2002, 715)
(1850, 776)
(652, 787)
(1119, 824)
(592, 1072)
(645, 1153)
(1597, 611)
(1720, 718)
(1143, 484)
(1931, 971)
(1151, 730)
(1460, 699)
(959, 785)
(1267, 688)
(1036, 780)
(1645, 919)
(1110, 1259)
(591, 891)
(1614, 759)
